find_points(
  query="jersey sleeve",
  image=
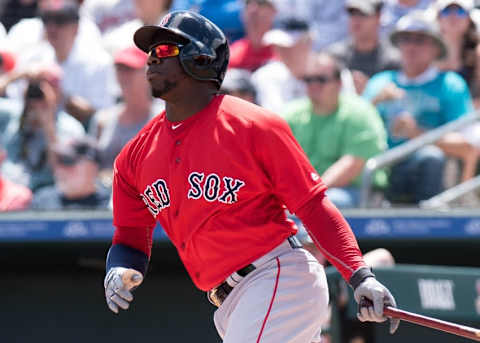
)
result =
(292, 177)
(133, 222)
(332, 235)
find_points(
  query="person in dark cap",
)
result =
(59, 11)
(218, 173)
(416, 99)
(76, 179)
(365, 53)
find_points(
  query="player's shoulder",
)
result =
(247, 114)
(136, 146)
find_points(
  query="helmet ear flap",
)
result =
(203, 60)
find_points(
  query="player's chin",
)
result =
(159, 91)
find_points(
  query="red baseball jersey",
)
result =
(218, 183)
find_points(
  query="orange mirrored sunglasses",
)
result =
(164, 50)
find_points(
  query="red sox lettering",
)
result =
(157, 195)
(211, 187)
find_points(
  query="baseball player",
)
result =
(218, 173)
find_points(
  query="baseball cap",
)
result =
(7, 61)
(69, 152)
(59, 10)
(131, 56)
(262, 2)
(467, 5)
(286, 33)
(419, 22)
(368, 7)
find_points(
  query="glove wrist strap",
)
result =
(359, 275)
(120, 255)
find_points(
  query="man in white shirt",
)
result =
(278, 82)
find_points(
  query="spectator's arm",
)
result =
(79, 108)
(343, 171)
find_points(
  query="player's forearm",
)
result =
(332, 235)
(137, 238)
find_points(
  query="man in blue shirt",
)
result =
(418, 98)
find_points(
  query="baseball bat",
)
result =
(433, 323)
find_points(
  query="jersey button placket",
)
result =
(177, 144)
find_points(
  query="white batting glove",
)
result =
(118, 283)
(372, 297)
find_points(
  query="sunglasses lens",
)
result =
(66, 160)
(166, 50)
(318, 79)
(455, 10)
(414, 39)
(353, 12)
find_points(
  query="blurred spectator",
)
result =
(35, 127)
(113, 127)
(226, 14)
(87, 72)
(12, 196)
(364, 52)
(238, 82)
(278, 81)
(110, 14)
(460, 35)
(147, 12)
(76, 184)
(15, 10)
(338, 132)
(419, 98)
(326, 18)
(88, 82)
(250, 52)
(393, 10)
(26, 35)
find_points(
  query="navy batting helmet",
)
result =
(204, 51)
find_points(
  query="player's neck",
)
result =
(187, 107)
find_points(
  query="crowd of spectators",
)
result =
(353, 78)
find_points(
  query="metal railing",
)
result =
(441, 200)
(402, 151)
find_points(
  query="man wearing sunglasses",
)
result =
(217, 172)
(76, 171)
(338, 131)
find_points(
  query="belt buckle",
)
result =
(213, 297)
(217, 295)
